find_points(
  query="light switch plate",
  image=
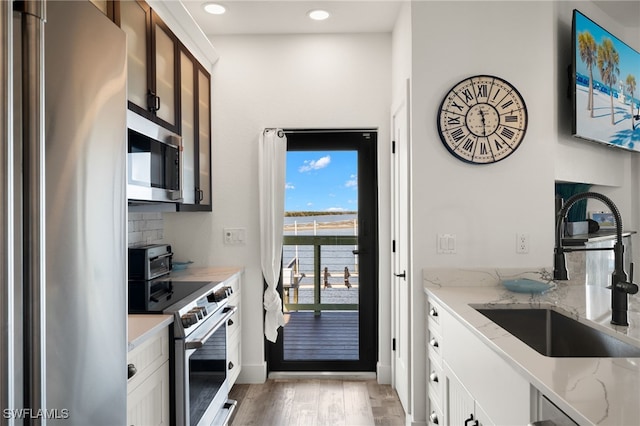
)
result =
(446, 243)
(234, 236)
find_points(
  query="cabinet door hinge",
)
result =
(393, 344)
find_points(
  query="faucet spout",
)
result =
(620, 287)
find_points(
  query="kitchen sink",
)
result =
(556, 335)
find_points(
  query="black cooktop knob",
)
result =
(186, 322)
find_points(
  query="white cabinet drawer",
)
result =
(433, 313)
(234, 283)
(434, 342)
(233, 323)
(148, 357)
(435, 380)
(234, 354)
(434, 416)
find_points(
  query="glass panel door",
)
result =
(133, 21)
(165, 74)
(329, 274)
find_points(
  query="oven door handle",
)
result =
(198, 343)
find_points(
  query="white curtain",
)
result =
(272, 155)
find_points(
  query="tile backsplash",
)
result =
(145, 228)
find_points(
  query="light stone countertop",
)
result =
(142, 326)
(595, 391)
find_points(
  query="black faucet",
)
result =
(620, 287)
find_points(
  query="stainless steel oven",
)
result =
(200, 365)
(201, 373)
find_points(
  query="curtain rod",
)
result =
(288, 131)
(282, 132)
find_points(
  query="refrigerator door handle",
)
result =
(33, 195)
(7, 329)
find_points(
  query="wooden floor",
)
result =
(316, 402)
(328, 336)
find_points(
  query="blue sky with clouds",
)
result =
(321, 181)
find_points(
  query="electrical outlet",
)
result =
(522, 243)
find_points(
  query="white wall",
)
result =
(485, 206)
(528, 44)
(301, 81)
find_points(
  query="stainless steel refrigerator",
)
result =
(63, 220)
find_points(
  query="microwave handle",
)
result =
(198, 343)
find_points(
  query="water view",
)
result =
(339, 280)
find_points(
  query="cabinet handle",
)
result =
(433, 342)
(230, 322)
(433, 417)
(471, 421)
(433, 377)
(131, 371)
(153, 101)
(230, 365)
(433, 312)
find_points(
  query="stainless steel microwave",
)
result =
(154, 161)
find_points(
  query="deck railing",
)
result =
(321, 261)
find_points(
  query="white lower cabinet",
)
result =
(148, 404)
(475, 386)
(148, 388)
(462, 408)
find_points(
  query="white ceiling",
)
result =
(290, 16)
(347, 16)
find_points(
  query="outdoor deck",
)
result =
(331, 335)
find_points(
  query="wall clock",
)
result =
(482, 119)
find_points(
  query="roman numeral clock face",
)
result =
(482, 119)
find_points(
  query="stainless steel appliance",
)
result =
(149, 261)
(200, 364)
(154, 163)
(63, 179)
(550, 415)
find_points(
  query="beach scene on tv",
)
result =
(607, 76)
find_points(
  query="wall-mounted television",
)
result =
(605, 86)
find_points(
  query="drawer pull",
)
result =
(433, 377)
(230, 322)
(230, 365)
(433, 417)
(131, 371)
(471, 421)
(433, 342)
(433, 312)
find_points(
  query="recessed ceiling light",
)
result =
(214, 8)
(318, 14)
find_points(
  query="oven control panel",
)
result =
(193, 314)
(220, 295)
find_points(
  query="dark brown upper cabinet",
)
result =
(152, 74)
(195, 103)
